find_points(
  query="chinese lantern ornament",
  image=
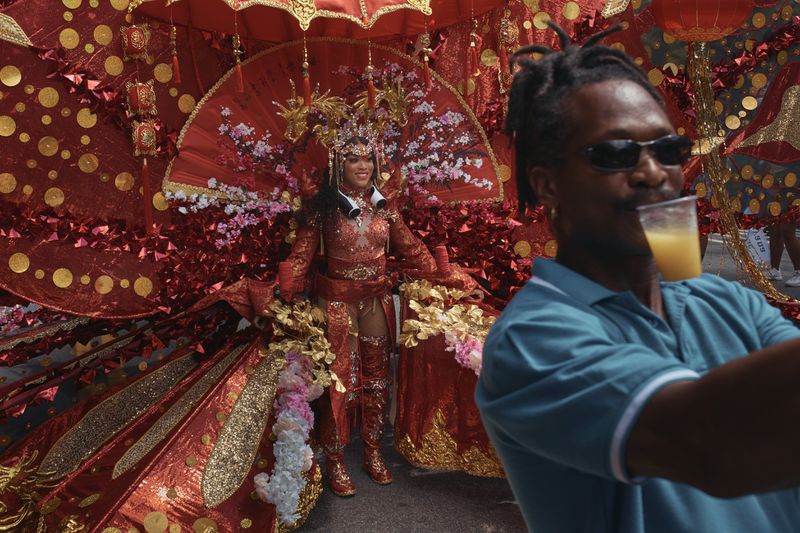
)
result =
(144, 137)
(135, 39)
(141, 98)
(700, 20)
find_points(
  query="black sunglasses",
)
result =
(624, 154)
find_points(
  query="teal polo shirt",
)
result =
(567, 369)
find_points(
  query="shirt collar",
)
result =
(575, 285)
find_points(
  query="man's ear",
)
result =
(543, 182)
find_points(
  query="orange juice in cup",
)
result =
(671, 231)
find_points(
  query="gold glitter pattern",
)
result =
(110, 416)
(308, 499)
(235, 450)
(614, 7)
(12, 32)
(173, 416)
(785, 127)
(67, 325)
(439, 451)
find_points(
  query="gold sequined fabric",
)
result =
(111, 416)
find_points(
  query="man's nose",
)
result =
(648, 172)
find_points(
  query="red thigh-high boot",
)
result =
(338, 478)
(375, 387)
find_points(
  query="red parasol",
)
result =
(279, 21)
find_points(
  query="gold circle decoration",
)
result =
(103, 34)
(103, 284)
(669, 39)
(48, 97)
(191, 460)
(505, 173)
(7, 126)
(65, 112)
(205, 525)
(86, 119)
(551, 248)
(39, 274)
(173, 92)
(68, 16)
(27, 190)
(48, 146)
(124, 283)
(790, 179)
(89, 500)
(119, 5)
(124, 181)
(160, 201)
(489, 58)
(85, 279)
(19, 263)
(162, 72)
(85, 139)
(759, 80)
(527, 24)
(69, 38)
(155, 522)
(62, 278)
(94, 3)
(186, 103)
(54, 197)
(89, 48)
(47, 120)
(72, 4)
(749, 103)
(65, 154)
(774, 208)
(783, 57)
(24, 137)
(571, 10)
(143, 286)
(768, 181)
(88, 163)
(7, 182)
(732, 122)
(759, 20)
(10, 76)
(522, 248)
(540, 20)
(31, 163)
(701, 190)
(104, 177)
(114, 65)
(655, 76)
(246, 523)
(533, 5)
(20, 107)
(111, 530)
(754, 206)
(29, 89)
(747, 172)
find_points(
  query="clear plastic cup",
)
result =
(671, 231)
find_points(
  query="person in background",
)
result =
(783, 234)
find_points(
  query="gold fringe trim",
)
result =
(110, 417)
(439, 451)
(67, 325)
(236, 448)
(167, 422)
(308, 499)
(614, 7)
(698, 67)
(12, 32)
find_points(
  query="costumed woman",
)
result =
(357, 231)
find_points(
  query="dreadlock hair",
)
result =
(537, 118)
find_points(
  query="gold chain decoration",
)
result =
(436, 315)
(299, 326)
(699, 67)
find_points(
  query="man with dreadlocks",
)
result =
(618, 403)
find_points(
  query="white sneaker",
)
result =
(773, 274)
(794, 281)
